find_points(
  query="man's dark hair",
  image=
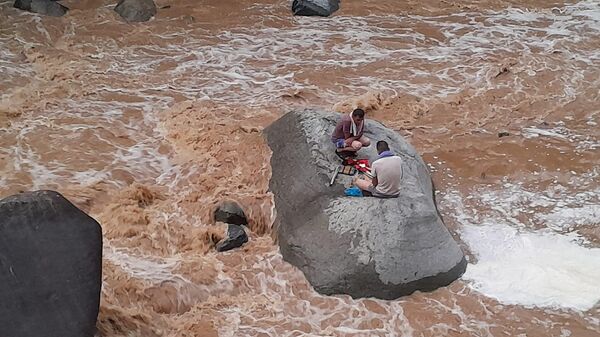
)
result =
(358, 113)
(382, 145)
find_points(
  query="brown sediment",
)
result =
(368, 102)
(114, 320)
(591, 232)
(230, 159)
(150, 130)
(134, 218)
(123, 306)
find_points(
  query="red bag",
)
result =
(361, 165)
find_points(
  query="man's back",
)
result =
(388, 171)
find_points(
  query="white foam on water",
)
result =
(9, 65)
(156, 270)
(533, 132)
(570, 217)
(147, 268)
(90, 177)
(39, 26)
(561, 133)
(513, 203)
(142, 159)
(541, 268)
(3, 181)
(263, 54)
(257, 65)
(516, 261)
(562, 208)
(273, 283)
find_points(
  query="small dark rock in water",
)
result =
(45, 7)
(136, 10)
(315, 7)
(230, 212)
(503, 134)
(50, 267)
(236, 237)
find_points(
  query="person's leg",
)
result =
(365, 184)
(362, 183)
(364, 141)
(355, 146)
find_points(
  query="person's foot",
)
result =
(345, 154)
(341, 154)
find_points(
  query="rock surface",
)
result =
(363, 247)
(230, 212)
(50, 267)
(45, 7)
(236, 237)
(136, 10)
(315, 7)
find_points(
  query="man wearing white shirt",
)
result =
(386, 172)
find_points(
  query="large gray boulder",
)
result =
(363, 247)
(50, 267)
(136, 10)
(45, 7)
(315, 7)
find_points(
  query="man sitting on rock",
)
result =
(348, 133)
(386, 172)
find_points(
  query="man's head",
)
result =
(358, 115)
(382, 146)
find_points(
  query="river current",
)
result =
(148, 126)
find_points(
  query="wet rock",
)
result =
(366, 246)
(230, 212)
(50, 267)
(44, 7)
(136, 10)
(315, 7)
(236, 237)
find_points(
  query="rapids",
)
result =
(148, 126)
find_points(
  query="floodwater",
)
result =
(147, 126)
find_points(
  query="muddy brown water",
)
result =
(148, 126)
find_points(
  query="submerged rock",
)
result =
(50, 267)
(236, 237)
(230, 212)
(363, 247)
(136, 10)
(315, 7)
(45, 7)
